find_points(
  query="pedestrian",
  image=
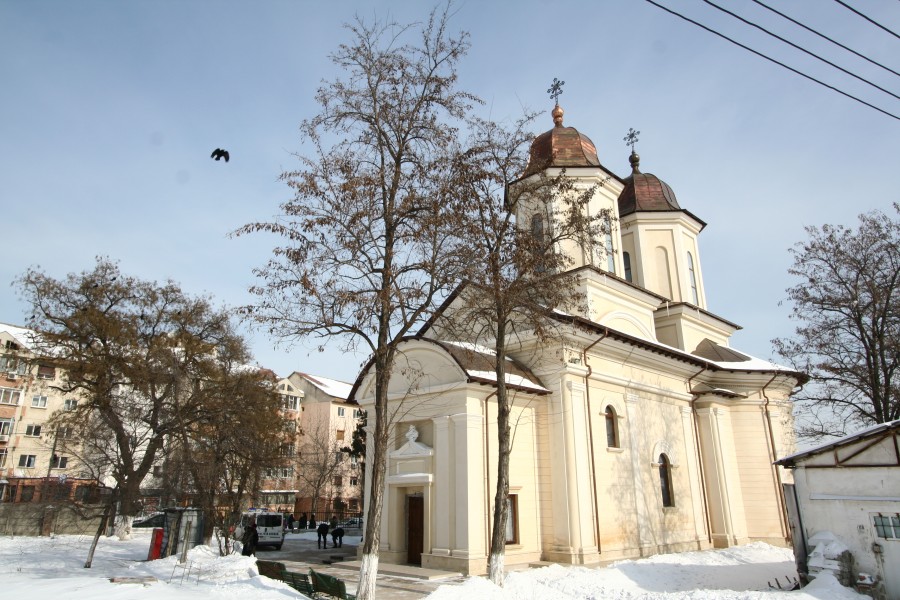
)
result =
(337, 537)
(290, 522)
(322, 535)
(312, 520)
(334, 522)
(250, 539)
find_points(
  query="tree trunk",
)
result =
(368, 573)
(497, 554)
(99, 532)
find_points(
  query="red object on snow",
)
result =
(156, 543)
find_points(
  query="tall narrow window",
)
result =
(626, 259)
(693, 277)
(537, 227)
(512, 519)
(665, 480)
(610, 258)
(612, 433)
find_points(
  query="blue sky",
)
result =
(109, 112)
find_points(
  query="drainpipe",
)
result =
(587, 395)
(703, 491)
(779, 492)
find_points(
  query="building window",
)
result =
(39, 402)
(157, 470)
(626, 259)
(27, 460)
(289, 402)
(6, 426)
(3, 455)
(27, 494)
(610, 253)
(287, 450)
(63, 433)
(693, 279)
(537, 227)
(512, 519)
(70, 404)
(46, 372)
(59, 462)
(338, 481)
(33, 431)
(9, 396)
(354, 459)
(340, 411)
(888, 526)
(354, 481)
(665, 481)
(339, 435)
(612, 428)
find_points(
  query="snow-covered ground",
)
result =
(54, 568)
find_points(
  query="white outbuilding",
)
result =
(850, 488)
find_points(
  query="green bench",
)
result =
(329, 586)
(277, 570)
(314, 585)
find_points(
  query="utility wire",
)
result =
(793, 45)
(781, 64)
(823, 36)
(875, 23)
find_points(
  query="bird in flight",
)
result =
(219, 153)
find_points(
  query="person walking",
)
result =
(250, 539)
(322, 535)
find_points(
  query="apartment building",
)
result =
(33, 465)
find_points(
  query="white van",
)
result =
(269, 527)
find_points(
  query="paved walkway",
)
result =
(402, 582)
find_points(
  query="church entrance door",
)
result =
(414, 526)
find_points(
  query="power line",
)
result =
(781, 64)
(823, 36)
(873, 22)
(793, 45)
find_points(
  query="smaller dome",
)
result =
(561, 147)
(645, 192)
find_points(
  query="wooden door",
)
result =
(415, 516)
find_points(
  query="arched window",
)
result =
(612, 428)
(665, 481)
(626, 258)
(537, 227)
(693, 277)
(610, 258)
(537, 234)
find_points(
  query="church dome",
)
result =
(645, 192)
(561, 147)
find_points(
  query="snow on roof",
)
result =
(871, 430)
(511, 379)
(332, 387)
(26, 338)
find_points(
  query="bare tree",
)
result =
(517, 270)
(241, 433)
(369, 238)
(847, 304)
(137, 355)
(320, 460)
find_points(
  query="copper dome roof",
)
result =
(645, 192)
(561, 147)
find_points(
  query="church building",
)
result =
(641, 432)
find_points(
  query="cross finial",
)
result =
(631, 138)
(555, 90)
